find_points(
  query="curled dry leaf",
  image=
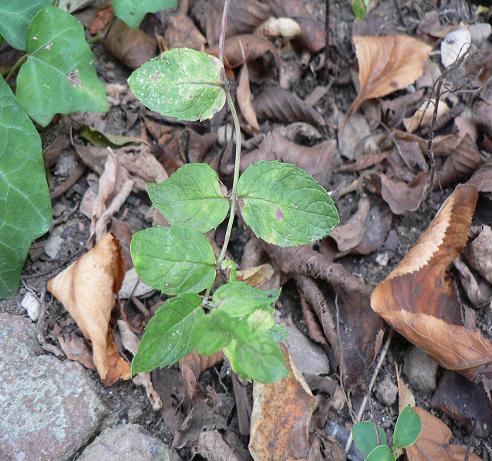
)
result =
(420, 301)
(479, 253)
(132, 47)
(316, 160)
(76, 349)
(244, 98)
(424, 114)
(87, 289)
(386, 64)
(280, 105)
(181, 32)
(256, 276)
(281, 417)
(478, 291)
(482, 178)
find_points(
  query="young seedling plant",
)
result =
(372, 442)
(279, 202)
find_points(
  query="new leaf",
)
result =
(167, 337)
(365, 436)
(191, 196)
(174, 259)
(25, 206)
(132, 12)
(182, 83)
(59, 75)
(285, 206)
(407, 429)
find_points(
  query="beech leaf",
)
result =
(386, 64)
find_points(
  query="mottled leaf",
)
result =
(59, 75)
(285, 206)
(191, 196)
(25, 207)
(174, 259)
(181, 83)
(132, 12)
(168, 335)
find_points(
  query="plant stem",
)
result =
(223, 24)
(15, 67)
(237, 162)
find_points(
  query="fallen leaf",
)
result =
(103, 17)
(280, 105)
(376, 228)
(212, 447)
(76, 349)
(465, 402)
(364, 161)
(479, 253)
(132, 47)
(402, 197)
(100, 139)
(424, 114)
(316, 160)
(354, 138)
(420, 301)
(478, 291)
(280, 27)
(87, 289)
(256, 276)
(133, 286)
(386, 64)
(192, 367)
(181, 32)
(482, 178)
(244, 98)
(281, 417)
(199, 145)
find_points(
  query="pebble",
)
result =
(53, 245)
(31, 304)
(420, 369)
(49, 408)
(387, 391)
(65, 164)
(127, 442)
(382, 259)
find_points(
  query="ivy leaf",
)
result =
(174, 259)
(285, 206)
(191, 196)
(181, 83)
(381, 453)
(132, 12)
(407, 429)
(168, 335)
(15, 16)
(365, 439)
(25, 206)
(59, 75)
(238, 299)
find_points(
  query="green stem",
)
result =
(237, 163)
(15, 67)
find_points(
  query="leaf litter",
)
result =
(386, 204)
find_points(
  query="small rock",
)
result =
(382, 259)
(387, 391)
(49, 408)
(65, 164)
(134, 414)
(420, 369)
(126, 442)
(31, 304)
(52, 247)
(392, 240)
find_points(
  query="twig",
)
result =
(327, 37)
(223, 25)
(15, 67)
(362, 408)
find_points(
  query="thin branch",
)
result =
(223, 25)
(327, 37)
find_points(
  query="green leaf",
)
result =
(15, 16)
(191, 196)
(278, 333)
(407, 429)
(168, 335)
(359, 7)
(59, 75)
(25, 206)
(133, 11)
(285, 206)
(181, 83)
(213, 333)
(365, 438)
(174, 259)
(238, 299)
(381, 453)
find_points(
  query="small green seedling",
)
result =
(359, 8)
(371, 440)
(279, 202)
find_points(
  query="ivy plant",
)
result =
(279, 202)
(372, 442)
(132, 12)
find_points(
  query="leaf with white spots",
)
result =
(285, 206)
(25, 207)
(59, 75)
(182, 83)
(132, 12)
(168, 335)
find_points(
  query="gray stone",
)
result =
(387, 391)
(420, 369)
(48, 408)
(127, 442)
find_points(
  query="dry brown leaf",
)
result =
(376, 228)
(355, 137)
(87, 289)
(132, 47)
(199, 145)
(478, 291)
(192, 367)
(281, 417)
(386, 64)
(420, 301)
(316, 160)
(479, 253)
(76, 348)
(482, 179)
(102, 19)
(424, 114)
(244, 98)
(364, 161)
(181, 32)
(256, 276)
